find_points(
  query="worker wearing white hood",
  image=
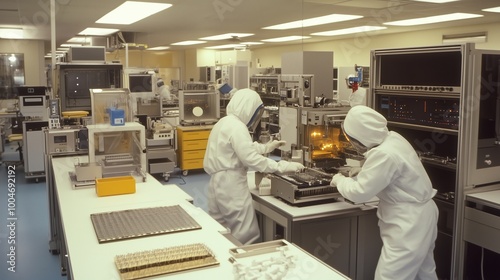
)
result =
(230, 152)
(407, 214)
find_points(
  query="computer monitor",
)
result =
(140, 82)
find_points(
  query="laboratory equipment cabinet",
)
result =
(34, 149)
(192, 143)
(445, 101)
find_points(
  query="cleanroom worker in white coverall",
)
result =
(230, 153)
(393, 172)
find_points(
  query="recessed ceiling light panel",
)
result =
(132, 11)
(433, 19)
(286, 39)
(346, 31)
(313, 21)
(98, 31)
(226, 36)
(227, 46)
(492, 10)
(436, 1)
(158, 48)
(187, 43)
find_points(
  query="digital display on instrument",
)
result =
(422, 69)
(60, 139)
(419, 110)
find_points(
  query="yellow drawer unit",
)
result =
(192, 143)
(195, 145)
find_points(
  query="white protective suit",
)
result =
(164, 91)
(357, 97)
(230, 152)
(407, 214)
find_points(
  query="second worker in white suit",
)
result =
(230, 153)
(393, 172)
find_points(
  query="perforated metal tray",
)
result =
(134, 223)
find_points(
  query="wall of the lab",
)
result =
(348, 52)
(34, 65)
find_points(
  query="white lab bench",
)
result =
(88, 259)
(343, 235)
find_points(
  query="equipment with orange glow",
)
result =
(322, 139)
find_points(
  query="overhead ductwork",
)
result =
(120, 39)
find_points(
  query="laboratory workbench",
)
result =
(343, 235)
(89, 259)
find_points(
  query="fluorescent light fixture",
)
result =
(159, 48)
(226, 46)
(187, 43)
(313, 21)
(98, 31)
(492, 10)
(436, 1)
(11, 33)
(286, 39)
(227, 36)
(433, 19)
(132, 11)
(478, 37)
(349, 30)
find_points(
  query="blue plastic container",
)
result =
(117, 117)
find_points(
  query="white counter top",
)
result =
(308, 212)
(489, 198)
(90, 260)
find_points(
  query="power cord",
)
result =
(482, 263)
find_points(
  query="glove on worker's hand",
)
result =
(271, 145)
(336, 179)
(289, 166)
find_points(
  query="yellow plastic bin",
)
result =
(115, 185)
